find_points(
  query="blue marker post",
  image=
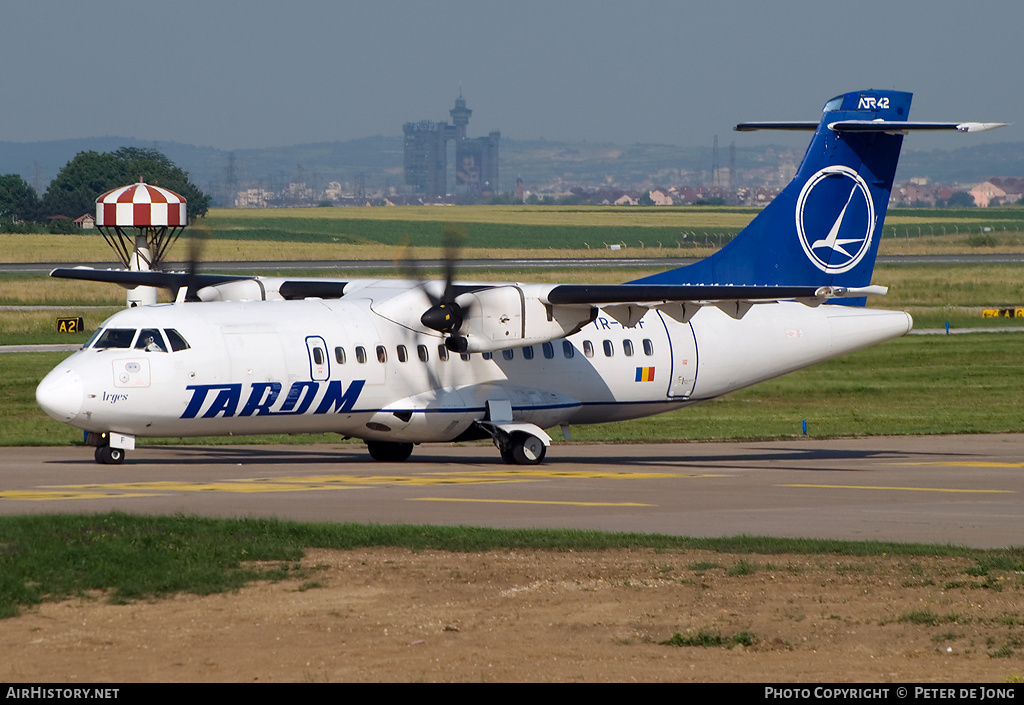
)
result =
(805, 427)
(947, 327)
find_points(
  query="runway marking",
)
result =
(902, 489)
(281, 484)
(243, 486)
(327, 482)
(968, 464)
(579, 474)
(443, 479)
(48, 496)
(530, 501)
(259, 484)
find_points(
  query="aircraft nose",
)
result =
(60, 394)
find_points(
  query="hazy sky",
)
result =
(260, 73)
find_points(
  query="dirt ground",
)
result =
(396, 615)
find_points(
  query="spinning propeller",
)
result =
(191, 282)
(445, 314)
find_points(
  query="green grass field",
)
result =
(51, 558)
(349, 233)
(573, 227)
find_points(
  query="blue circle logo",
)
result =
(835, 219)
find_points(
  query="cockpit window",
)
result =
(150, 340)
(116, 338)
(92, 338)
(176, 341)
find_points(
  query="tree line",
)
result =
(74, 191)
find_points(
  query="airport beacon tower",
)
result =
(140, 222)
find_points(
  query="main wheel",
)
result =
(105, 455)
(389, 451)
(505, 448)
(527, 449)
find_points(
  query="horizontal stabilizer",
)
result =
(905, 127)
(799, 125)
(899, 126)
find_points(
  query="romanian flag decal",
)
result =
(644, 374)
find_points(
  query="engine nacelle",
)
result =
(515, 316)
(255, 289)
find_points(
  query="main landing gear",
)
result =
(520, 445)
(520, 448)
(389, 451)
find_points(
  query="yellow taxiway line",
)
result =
(326, 482)
(902, 489)
(529, 501)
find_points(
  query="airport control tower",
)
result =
(460, 117)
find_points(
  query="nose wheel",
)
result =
(105, 455)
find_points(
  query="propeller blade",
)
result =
(454, 235)
(444, 315)
(409, 267)
(193, 285)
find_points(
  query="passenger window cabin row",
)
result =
(380, 352)
(168, 339)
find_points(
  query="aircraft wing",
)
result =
(628, 303)
(211, 287)
(599, 295)
(128, 278)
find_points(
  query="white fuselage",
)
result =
(315, 366)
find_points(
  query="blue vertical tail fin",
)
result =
(823, 229)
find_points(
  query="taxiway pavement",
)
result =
(962, 490)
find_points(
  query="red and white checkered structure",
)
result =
(140, 222)
(141, 206)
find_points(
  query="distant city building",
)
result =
(253, 198)
(996, 191)
(426, 156)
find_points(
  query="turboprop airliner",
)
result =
(400, 362)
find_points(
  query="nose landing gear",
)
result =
(110, 447)
(105, 455)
